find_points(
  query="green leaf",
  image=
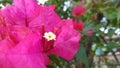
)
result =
(81, 55)
(111, 45)
(55, 60)
(111, 32)
(108, 12)
(118, 17)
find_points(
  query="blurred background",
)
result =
(100, 29)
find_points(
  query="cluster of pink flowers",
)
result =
(79, 10)
(79, 26)
(89, 32)
(30, 33)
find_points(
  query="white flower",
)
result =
(49, 36)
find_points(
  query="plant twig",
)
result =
(112, 51)
(117, 4)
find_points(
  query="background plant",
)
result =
(103, 18)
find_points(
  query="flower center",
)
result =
(49, 36)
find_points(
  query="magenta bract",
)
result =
(30, 26)
(78, 26)
(78, 10)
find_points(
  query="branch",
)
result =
(117, 4)
(113, 53)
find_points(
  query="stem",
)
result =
(68, 65)
(112, 51)
(117, 4)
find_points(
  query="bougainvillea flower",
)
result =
(58, 38)
(78, 26)
(89, 32)
(78, 10)
(64, 37)
(24, 53)
(45, 33)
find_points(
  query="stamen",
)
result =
(43, 31)
(55, 30)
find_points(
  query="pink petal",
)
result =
(67, 23)
(19, 32)
(26, 60)
(31, 45)
(78, 26)
(78, 10)
(29, 7)
(13, 16)
(5, 46)
(22, 12)
(67, 43)
(47, 17)
(89, 32)
(26, 54)
(4, 62)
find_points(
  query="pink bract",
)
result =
(78, 26)
(21, 55)
(27, 22)
(89, 32)
(78, 10)
(15, 53)
(21, 13)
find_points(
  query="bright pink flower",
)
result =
(78, 10)
(15, 53)
(78, 25)
(89, 32)
(66, 37)
(39, 32)
(66, 40)
(82, 3)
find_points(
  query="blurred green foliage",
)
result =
(95, 11)
(4, 2)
